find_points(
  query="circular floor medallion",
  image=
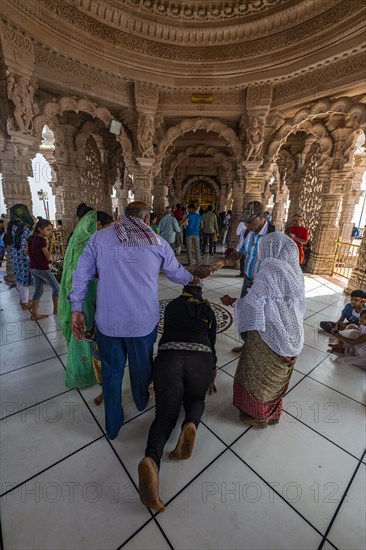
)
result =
(224, 319)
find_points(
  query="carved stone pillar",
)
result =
(358, 277)
(327, 230)
(254, 185)
(294, 196)
(223, 198)
(15, 166)
(68, 171)
(278, 213)
(237, 210)
(47, 149)
(142, 180)
(159, 192)
(105, 189)
(122, 200)
(351, 197)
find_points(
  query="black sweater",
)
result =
(180, 327)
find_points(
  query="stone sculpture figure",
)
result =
(21, 92)
(255, 139)
(145, 134)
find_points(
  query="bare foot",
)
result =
(99, 399)
(149, 484)
(27, 306)
(184, 447)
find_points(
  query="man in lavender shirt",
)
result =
(127, 258)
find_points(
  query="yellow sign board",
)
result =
(202, 98)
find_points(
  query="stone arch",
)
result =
(66, 103)
(195, 179)
(200, 123)
(306, 120)
(49, 109)
(198, 150)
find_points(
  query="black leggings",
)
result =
(178, 376)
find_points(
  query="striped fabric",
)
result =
(134, 232)
(249, 245)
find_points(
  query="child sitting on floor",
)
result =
(352, 341)
(350, 314)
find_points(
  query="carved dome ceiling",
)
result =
(231, 42)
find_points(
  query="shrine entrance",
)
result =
(202, 194)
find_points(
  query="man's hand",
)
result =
(334, 329)
(78, 324)
(217, 265)
(201, 271)
(227, 300)
(195, 281)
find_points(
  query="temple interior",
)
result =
(219, 103)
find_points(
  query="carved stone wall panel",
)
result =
(322, 81)
(323, 23)
(18, 49)
(80, 78)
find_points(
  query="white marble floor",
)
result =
(300, 484)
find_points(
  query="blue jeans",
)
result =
(40, 277)
(327, 326)
(113, 352)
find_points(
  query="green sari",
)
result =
(79, 367)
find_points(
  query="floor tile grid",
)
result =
(85, 446)
(228, 448)
(30, 364)
(81, 449)
(40, 472)
(206, 427)
(278, 493)
(35, 404)
(341, 502)
(360, 460)
(121, 462)
(330, 387)
(43, 401)
(325, 534)
(175, 496)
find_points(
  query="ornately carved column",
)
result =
(159, 192)
(327, 230)
(278, 213)
(69, 173)
(254, 185)
(294, 196)
(237, 209)
(223, 198)
(358, 277)
(142, 180)
(351, 197)
(105, 188)
(15, 166)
